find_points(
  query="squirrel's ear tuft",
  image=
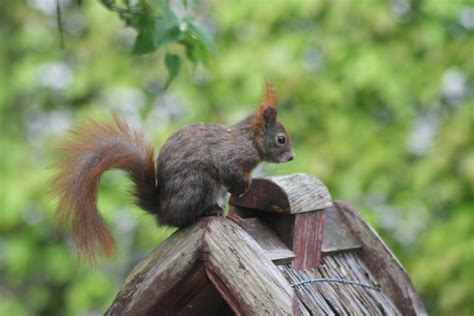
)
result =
(270, 95)
(267, 110)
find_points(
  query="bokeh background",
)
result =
(377, 94)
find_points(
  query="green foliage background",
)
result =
(376, 94)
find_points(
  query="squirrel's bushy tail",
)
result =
(92, 149)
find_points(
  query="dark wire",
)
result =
(341, 281)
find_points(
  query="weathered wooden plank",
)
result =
(274, 248)
(299, 309)
(302, 233)
(292, 193)
(336, 235)
(263, 195)
(360, 272)
(346, 293)
(207, 302)
(248, 281)
(382, 262)
(305, 192)
(152, 278)
(311, 298)
(307, 239)
(328, 290)
(329, 298)
(182, 296)
(281, 224)
(362, 296)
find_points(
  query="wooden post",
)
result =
(307, 240)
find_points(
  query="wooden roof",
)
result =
(253, 265)
(213, 256)
(328, 296)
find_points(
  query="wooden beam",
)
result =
(182, 296)
(305, 192)
(266, 238)
(151, 280)
(247, 280)
(382, 263)
(336, 235)
(307, 239)
(263, 195)
(214, 256)
(289, 194)
(281, 224)
(208, 302)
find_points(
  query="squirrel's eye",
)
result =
(281, 140)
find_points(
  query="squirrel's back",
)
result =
(190, 170)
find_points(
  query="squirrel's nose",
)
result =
(291, 158)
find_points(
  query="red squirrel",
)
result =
(195, 169)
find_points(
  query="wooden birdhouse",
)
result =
(286, 249)
(293, 207)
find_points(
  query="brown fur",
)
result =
(196, 166)
(90, 150)
(269, 100)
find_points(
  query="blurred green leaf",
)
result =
(172, 63)
(165, 33)
(201, 34)
(154, 37)
(144, 42)
(168, 14)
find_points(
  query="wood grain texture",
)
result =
(299, 309)
(211, 268)
(207, 302)
(248, 281)
(263, 195)
(336, 235)
(330, 298)
(194, 294)
(274, 248)
(164, 268)
(305, 192)
(281, 224)
(312, 300)
(290, 194)
(382, 263)
(307, 240)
